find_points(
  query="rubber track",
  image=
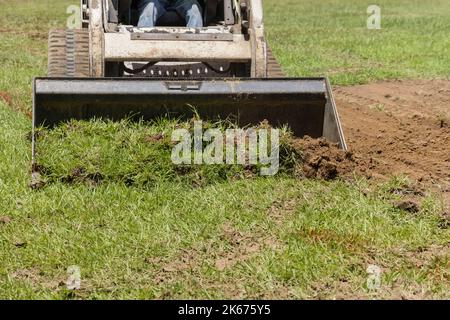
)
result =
(274, 69)
(68, 53)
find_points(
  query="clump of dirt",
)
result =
(5, 220)
(80, 175)
(410, 191)
(444, 223)
(154, 138)
(408, 205)
(20, 244)
(7, 98)
(320, 159)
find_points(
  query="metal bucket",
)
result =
(306, 105)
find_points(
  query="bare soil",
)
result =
(6, 98)
(321, 159)
(11, 102)
(400, 127)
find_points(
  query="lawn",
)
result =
(331, 37)
(262, 237)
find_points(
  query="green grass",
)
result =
(279, 237)
(331, 38)
(137, 154)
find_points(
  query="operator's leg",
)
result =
(192, 11)
(150, 11)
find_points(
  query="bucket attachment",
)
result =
(306, 105)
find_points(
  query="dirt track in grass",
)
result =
(400, 127)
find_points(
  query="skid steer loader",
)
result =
(112, 69)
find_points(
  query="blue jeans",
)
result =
(151, 10)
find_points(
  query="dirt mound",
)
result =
(400, 127)
(322, 160)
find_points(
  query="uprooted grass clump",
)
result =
(134, 153)
(139, 154)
